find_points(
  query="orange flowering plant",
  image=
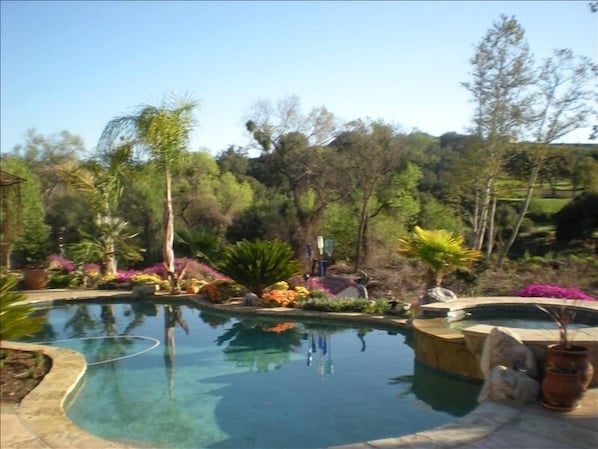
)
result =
(280, 327)
(217, 291)
(278, 298)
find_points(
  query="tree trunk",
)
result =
(528, 199)
(491, 231)
(168, 223)
(483, 217)
(360, 233)
(110, 257)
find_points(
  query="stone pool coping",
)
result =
(40, 422)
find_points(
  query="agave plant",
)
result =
(259, 264)
(439, 250)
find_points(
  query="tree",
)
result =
(47, 155)
(439, 250)
(163, 133)
(563, 104)
(101, 187)
(578, 219)
(585, 174)
(207, 196)
(370, 159)
(32, 244)
(502, 74)
(295, 162)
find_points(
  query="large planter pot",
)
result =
(573, 357)
(35, 278)
(561, 391)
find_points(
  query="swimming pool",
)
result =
(176, 376)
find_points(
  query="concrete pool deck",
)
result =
(39, 421)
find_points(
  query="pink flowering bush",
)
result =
(554, 291)
(195, 270)
(60, 263)
(316, 284)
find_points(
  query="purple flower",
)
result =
(60, 263)
(554, 291)
(125, 276)
(91, 268)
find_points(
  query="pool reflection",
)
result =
(224, 381)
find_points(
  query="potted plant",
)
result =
(31, 255)
(35, 272)
(568, 371)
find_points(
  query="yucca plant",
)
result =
(15, 320)
(259, 264)
(440, 251)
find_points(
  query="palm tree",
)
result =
(162, 132)
(440, 251)
(100, 185)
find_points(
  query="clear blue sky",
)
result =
(75, 65)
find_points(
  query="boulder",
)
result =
(142, 290)
(504, 347)
(506, 384)
(438, 294)
(250, 299)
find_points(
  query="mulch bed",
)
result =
(21, 372)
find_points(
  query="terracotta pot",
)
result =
(574, 357)
(35, 278)
(561, 391)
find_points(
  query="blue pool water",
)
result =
(175, 376)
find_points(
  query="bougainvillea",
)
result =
(193, 269)
(60, 263)
(554, 291)
(314, 284)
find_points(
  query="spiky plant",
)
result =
(15, 320)
(259, 264)
(440, 251)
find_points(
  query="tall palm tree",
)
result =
(162, 132)
(439, 250)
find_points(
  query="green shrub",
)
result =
(259, 264)
(60, 280)
(356, 305)
(15, 319)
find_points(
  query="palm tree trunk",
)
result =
(168, 222)
(110, 268)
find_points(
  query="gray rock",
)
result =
(438, 294)
(142, 290)
(250, 299)
(506, 384)
(504, 347)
